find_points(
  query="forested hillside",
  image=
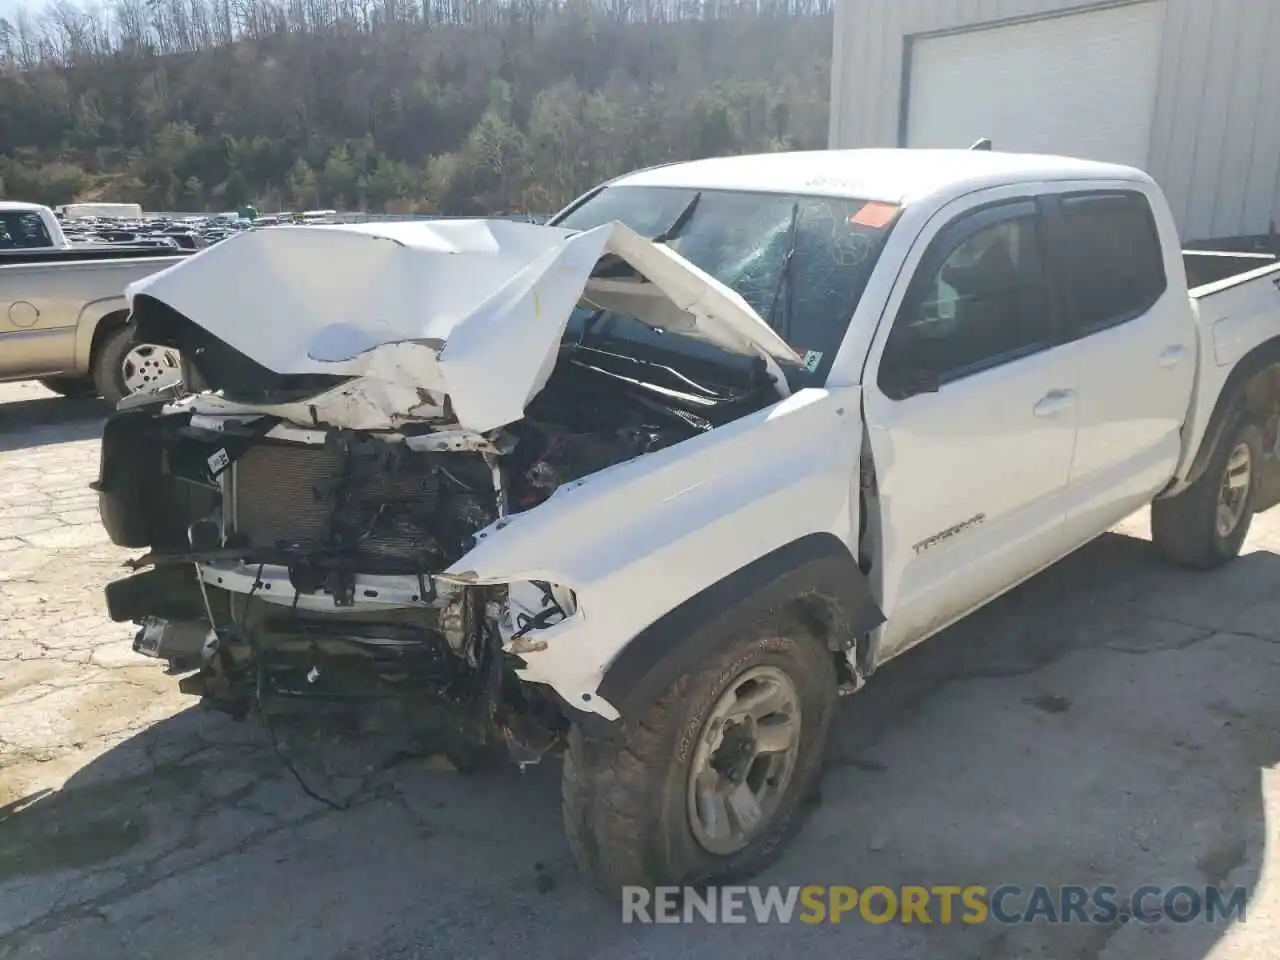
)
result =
(452, 106)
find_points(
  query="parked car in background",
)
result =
(115, 211)
(63, 319)
(29, 226)
(62, 308)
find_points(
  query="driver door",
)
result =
(972, 422)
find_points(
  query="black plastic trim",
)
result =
(1264, 355)
(817, 566)
(130, 472)
(142, 500)
(170, 592)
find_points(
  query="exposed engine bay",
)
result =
(364, 409)
(291, 562)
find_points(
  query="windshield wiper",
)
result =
(784, 278)
(589, 324)
(680, 222)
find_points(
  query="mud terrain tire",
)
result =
(1185, 529)
(626, 793)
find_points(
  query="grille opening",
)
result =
(383, 507)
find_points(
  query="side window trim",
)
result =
(944, 243)
(1061, 268)
(965, 227)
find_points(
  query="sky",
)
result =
(10, 7)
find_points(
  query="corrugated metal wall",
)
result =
(1215, 140)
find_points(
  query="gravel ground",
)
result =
(1111, 721)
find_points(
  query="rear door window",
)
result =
(1112, 260)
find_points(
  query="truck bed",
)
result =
(1207, 268)
(1235, 313)
(79, 254)
(64, 295)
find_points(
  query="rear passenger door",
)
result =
(971, 419)
(1136, 338)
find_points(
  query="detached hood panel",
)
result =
(471, 310)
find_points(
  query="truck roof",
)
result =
(21, 206)
(893, 176)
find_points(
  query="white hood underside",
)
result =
(471, 310)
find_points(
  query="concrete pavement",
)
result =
(1112, 721)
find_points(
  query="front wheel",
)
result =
(709, 783)
(1205, 525)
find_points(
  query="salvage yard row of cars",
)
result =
(657, 481)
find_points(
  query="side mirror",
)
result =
(923, 381)
(910, 363)
(906, 382)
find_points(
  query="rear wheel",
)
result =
(74, 387)
(1205, 525)
(710, 782)
(122, 365)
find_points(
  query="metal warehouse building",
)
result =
(1188, 90)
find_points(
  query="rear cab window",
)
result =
(22, 229)
(1111, 258)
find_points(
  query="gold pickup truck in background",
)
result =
(63, 320)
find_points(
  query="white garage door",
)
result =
(1080, 84)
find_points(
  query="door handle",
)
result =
(1054, 402)
(1170, 355)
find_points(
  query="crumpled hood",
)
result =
(468, 310)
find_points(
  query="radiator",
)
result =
(417, 511)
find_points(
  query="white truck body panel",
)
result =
(927, 177)
(947, 457)
(1133, 384)
(676, 522)
(1232, 317)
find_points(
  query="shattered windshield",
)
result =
(801, 262)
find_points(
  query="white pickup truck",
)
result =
(30, 226)
(663, 478)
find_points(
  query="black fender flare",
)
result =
(816, 572)
(1226, 410)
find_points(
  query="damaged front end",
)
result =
(308, 516)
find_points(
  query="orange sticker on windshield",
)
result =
(875, 215)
